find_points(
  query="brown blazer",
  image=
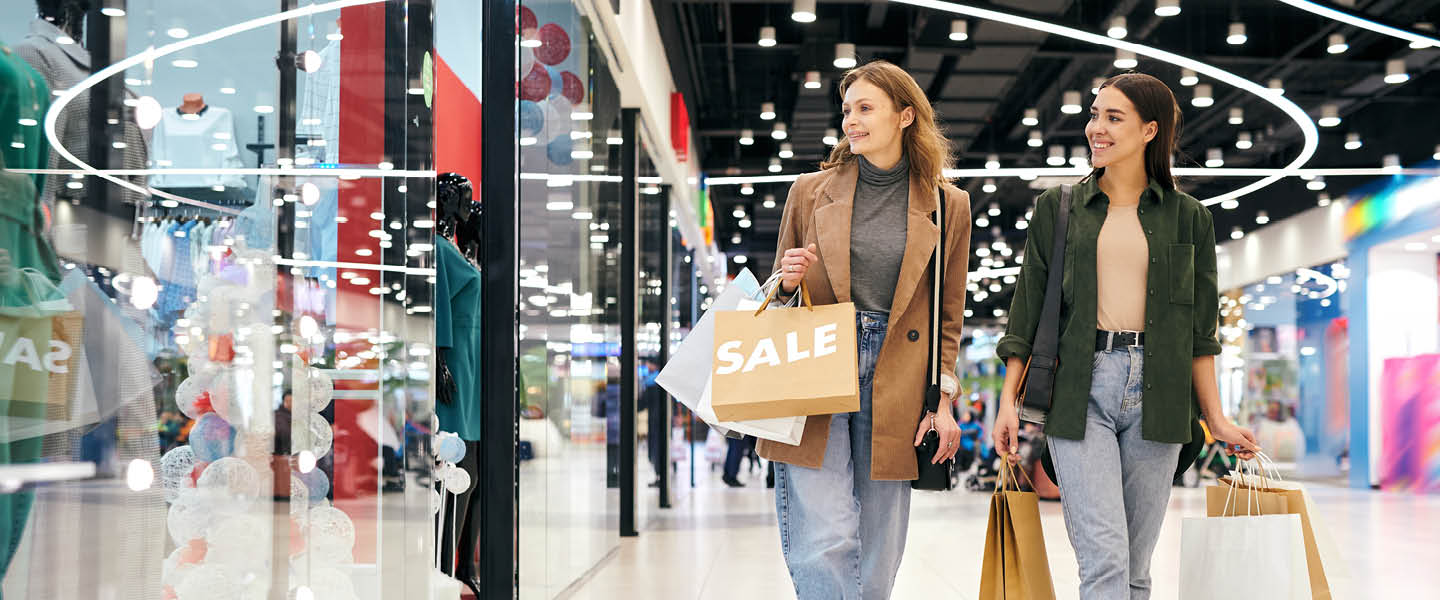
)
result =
(818, 212)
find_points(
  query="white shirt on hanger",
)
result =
(196, 141)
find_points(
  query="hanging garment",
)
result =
(457, 335)
(24, 98)
(319, 116)
(204, 140)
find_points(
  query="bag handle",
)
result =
(804, 294)
(1005, 460)
(932, 389)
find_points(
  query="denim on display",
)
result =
(843, 534)
(1114, 484)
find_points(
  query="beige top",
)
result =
(1122, 257)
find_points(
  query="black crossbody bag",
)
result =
(934, 477)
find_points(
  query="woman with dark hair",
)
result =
(1139, 315)
(862, 230)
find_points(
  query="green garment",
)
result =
(24, 98)
(1182, 311)
(457, 335)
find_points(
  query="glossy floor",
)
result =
(723, 543)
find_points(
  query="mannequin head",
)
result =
(68, 15)
(192, 103)
(452, 194)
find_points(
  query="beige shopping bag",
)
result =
(1243, 501)
(785, 362)
(1015, 565)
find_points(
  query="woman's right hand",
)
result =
(1007, 431)
(794, 265)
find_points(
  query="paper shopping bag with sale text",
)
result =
(785, 362)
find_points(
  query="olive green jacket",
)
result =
(1181, 311)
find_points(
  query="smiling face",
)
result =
(1116, 132)
(872, 125)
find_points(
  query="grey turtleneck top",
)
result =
(877, 234)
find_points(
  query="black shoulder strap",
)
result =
(932, 390)
(1045, 352)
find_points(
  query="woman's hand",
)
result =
(1235, 437)
(1007, 431)
(944, 423)
(794, 265)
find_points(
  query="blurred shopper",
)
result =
(1140, 307)
(843, 495)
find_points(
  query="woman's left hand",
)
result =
(944, 423)
(1239, 439)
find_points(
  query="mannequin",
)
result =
(68, 15)
(192, 104)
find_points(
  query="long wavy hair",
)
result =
(1155, 102)
(925, 144)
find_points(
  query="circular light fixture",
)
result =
(1078, 157)
(1214, 159)
(786, 150)
(767, 111)
(803, 11)
(1329, 116)
(1244, 141)
(747, 137)
(959, 30)
(1316, 184)
(185, 63)
(992, 161)
(1203, 96)
(779, 132)
(1337, 44)
(747, 190)
(1125, 59)
(1167, 8)
(1237, 34)
(1237, 233)
(148, 112)
(1392, 163)
(845, 56)
(989, 186)
(812, 80)
(775, 165)
(1323, 200)
(1117, 28)
(178, 33)
(1032, 117)
(1277, 86)
(767, 37)
(1072, 103)
(1036, 139)
(1262, 218)
(1057, 156)
(1188, 77)
(832, 137)
(1237, 116)
(1395, 71)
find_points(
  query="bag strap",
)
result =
(1046, 349)
(932, 390)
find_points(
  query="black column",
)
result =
(629, 301)
(667, 311)
(105, 40)
(499, 523)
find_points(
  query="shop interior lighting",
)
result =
(1237, 233)
(229, 91)
(786, 150)
(959, 30)
(1262, 218)
(1237, 116)
(613, 138)
(812, 80)
(1057, 156)
(1329, 116)
(994, 210)
(775, 166)
(1167, 8)
(311, 61)
(1428, 28)
(185, 63)
(1096, 83)
(845, 57)
(769, 201)
(767, 37)
(803, 11)
(779, 132)
(1337, 44)
(1204, 97)
(335, 35)
(767, 111)
(582, 113)
(1276, 86)
(832, 136)
(1117, 28)
(1316, 184)
(989, 186)
(747, 190)
(1214, 158)
(1352, 141)
(1436, 156)
(531, 43)
(740, 259)
(747, 137)
(1032, 117)
(1078, 156)
(1188, 78)
(1323, 200)
(982, 221)
(1036, 139)
(1392, 162)
(1395, 71)
(178, 33)
(992, 161)
(528, 141)
(1071, 105)
(1356, 20)
(1237, 34)
(1244, 141)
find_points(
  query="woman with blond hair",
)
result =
(863, 230)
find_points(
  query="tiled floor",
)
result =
(723, 543)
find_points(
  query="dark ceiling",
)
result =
(980, 88)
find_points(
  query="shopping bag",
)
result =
(687, 373)
(1243, 557)
(1015, 565)
(1329, 579)
(785, 362)
(786, 430)
(40, 336)
(1243, 500)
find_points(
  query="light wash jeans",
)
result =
(843, 534)
(1114, 485)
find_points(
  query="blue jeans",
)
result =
(1114, 484)
(843, 534)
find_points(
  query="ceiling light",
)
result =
(767, 36)
(178, 33)
(613, 138)
(528, 141)
(1316, 184)
(581, 113)
(1036, 139)
(1323, 200)
(1421, 44)
(1243, 141)
(959, 30)
(1329, 115)
(1415, 247)
(803, 11)
(148, 112)
(1262, 218)
(786, 150)
(734, 239)
(229, 91)
(1167, 8)
(812, 80)
(1029, 176)
(1352, 141)
(1392, 163)
(740, 259)
(1203, 97)
(1188, 77)
(1277, 86)
(185, 63)
(1117, 28)
(769, 201)
(845, 56)
(1032, 117)
(1237, 34)
(1214, 158)
(1077, 156)
(747, 190)
(1436, 156)
(1237, 233)
(1057, 156)
(779, 132)
(738, 213)
(1072, 103)
(744, 223)
(335, 34)
(1237, 116)
(565, 203)
(982, 221)
(747, 137)
(1395, 71)
(989, 186)
(767, 111)
(1095, 85)
(1337, 44)
(992, 161)
(994, 210)
(775, 165)
(1230, 204)
(832, 137)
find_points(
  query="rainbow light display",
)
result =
(1396, 200)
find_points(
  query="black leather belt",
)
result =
(1106, 341)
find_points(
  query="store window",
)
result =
(233, 398)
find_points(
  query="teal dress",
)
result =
(457, 335)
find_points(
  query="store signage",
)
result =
(1395, 202)
(766, 353)
(679, 127)
(24, 351)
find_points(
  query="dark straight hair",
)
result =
(1155, 102)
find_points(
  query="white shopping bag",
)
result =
(1259, 557)
(687, 373)
(786, 430)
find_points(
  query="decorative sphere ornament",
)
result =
(320, 437)
(175, 469)
(316, 482)
(192, 397)
(238, 541)
(212, 438)
(188, 518)
(435, 501)
(209, 582)
(330, 583)
(331, 535)
(229, 485)
(322, 390)
(449, 447)
(223, 396)
(457, 480)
